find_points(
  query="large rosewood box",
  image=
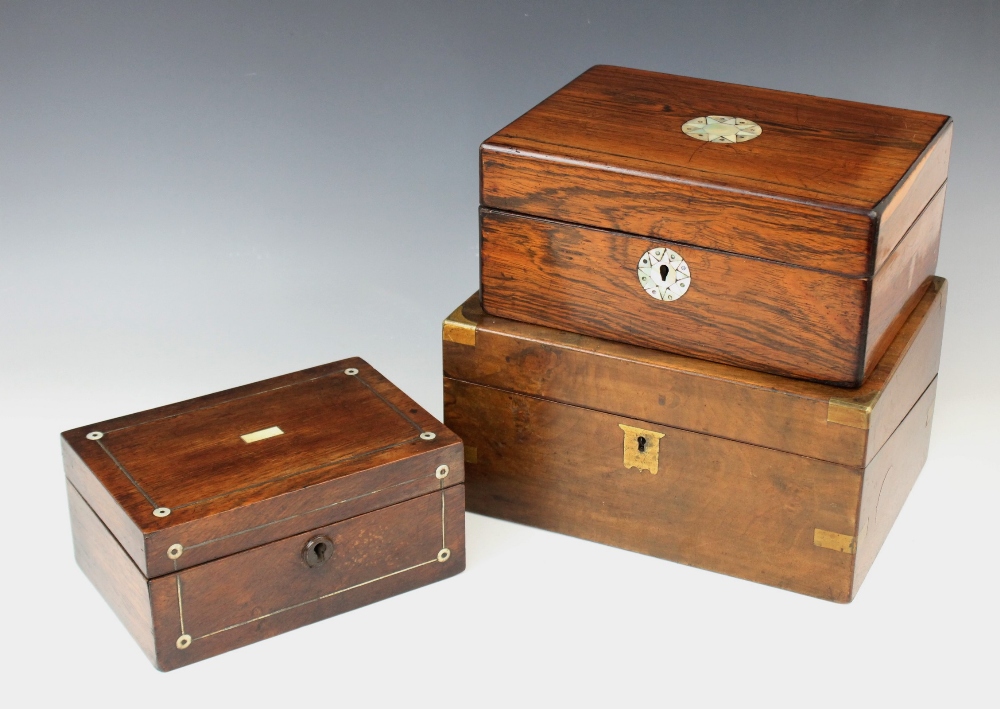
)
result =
(776, 480)
(769, 230)
(219, 521)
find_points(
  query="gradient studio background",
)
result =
(196, 195)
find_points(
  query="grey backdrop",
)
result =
(198, 195)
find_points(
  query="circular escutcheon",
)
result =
(317, 550)
(663, 274)
(722, 129)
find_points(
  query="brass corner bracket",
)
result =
(458, 328)
(855, 413)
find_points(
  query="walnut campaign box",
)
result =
(769, 230)
(223, 520)
(780, 481)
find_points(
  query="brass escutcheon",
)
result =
(642, 448)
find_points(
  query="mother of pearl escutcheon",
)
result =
(722, 129)
(663, 274)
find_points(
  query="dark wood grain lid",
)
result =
(270, 458)
(613, 133)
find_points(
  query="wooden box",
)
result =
(780, 481)
(773, 231)
(219, 521)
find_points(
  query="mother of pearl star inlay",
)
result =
(722, 129)
(663, 274)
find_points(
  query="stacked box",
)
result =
(708, 324)
(772, 479)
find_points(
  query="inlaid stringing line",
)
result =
(126, 474)
(180, 607)
(180, 604)
(306, 603)
(223, 403)
(390, 404)
(149, 499)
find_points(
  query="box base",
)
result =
(209, 609)
(756, 513)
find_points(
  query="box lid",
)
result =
(846, 426)
(194, 481)
(817, 182)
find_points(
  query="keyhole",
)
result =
(664, 270)
(317, 550)
(642, 444)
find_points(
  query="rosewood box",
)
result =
(769, 230)
(780, 481)
(219, 521)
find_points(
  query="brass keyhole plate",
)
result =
(641, 449)
(663, 274)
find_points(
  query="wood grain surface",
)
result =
(909, 362)
(815, 189)
(351, 443)
(721, 505)
(268, 590)
(116, 577)
(901, 207)
(899, 283)
(524, 182)
(704, 397)
(889, 479)
(105, 505)
(748, 312)
(718, 504)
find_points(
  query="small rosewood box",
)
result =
(219, 521)
(768, 230)
(776, 480)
